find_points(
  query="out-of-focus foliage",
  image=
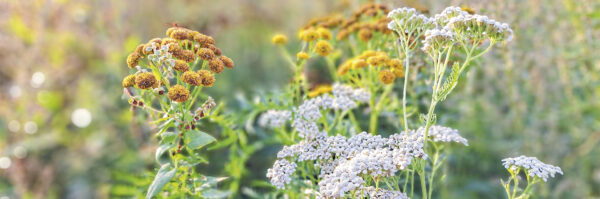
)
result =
(62, 61)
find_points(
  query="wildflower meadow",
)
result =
(300, 99)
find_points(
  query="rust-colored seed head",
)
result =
(206, 77)
(191, 77)
(215, 50)
(204, 39)
(342, 34)
(145, 80)
(227, 61)
(323, 48)
(181, 66)
(186, 55)
(206, 54)
(324, 33)
(359, 63)
(179, 34)
(178, 93)
(192, 34)
(140, 49)
(175, 49)
(216, 65)
(387, 77)
(129, 81)
(342, 70)
(310, 35)
(158, 41)
(373, 61)
(133, 59)
(167, 41)
(395, 64)
(365, 34)
(170, 31)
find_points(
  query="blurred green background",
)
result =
(67, 132)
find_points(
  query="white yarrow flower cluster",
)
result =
(372, 192)
(437, 39)
(408, 21)
(479, 27)
(443, 134)
(280, 173)
(343, 160)
(274, 118)
(533, 167)
(344, 98)
(448, 13)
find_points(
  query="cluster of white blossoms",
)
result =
(160, 55)
(372, 192)
(443, 134)
(479, 27)
(442, 19)
(450, 26)
(437, 39)
(274, 118)
(282, 171)
(408, 21)
(533, 166)
(346, 176)
(342, 161)
(344, 98)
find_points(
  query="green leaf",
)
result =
(168, 137)
(164, 175)
(196, 159)
(198, 139)
(213, 193)
(209, 181)
(162, 153)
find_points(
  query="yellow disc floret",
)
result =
(133, 59)
(181, 66)
(302, 55)
(216, 65)
(129, 81)
(206, 77)
(386, 76)
(191, 77)
(323, 48)
(178, 93)
(145, 80)
(279, 39)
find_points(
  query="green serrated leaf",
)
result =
(161, 155)
(197, 139)
(168, 137)
(164, 175)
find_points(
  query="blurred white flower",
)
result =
(5, 163)
(14, 126)
(20, 152)
(81, 117)
(30, 127)
(274, 118)
(37, 79)
(15, 91)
